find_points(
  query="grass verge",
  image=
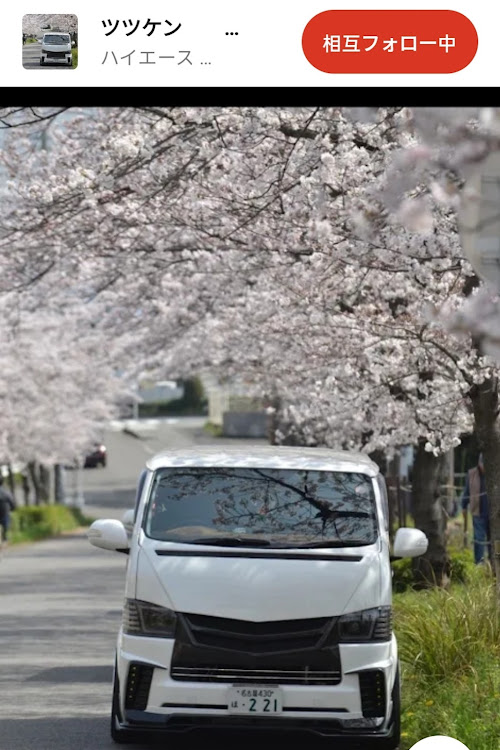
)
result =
(213, 429)
(449, 645)
(74, 56)
(37, 522)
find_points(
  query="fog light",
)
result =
(362, 723)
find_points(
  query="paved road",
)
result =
(60, 605)
(31, 59)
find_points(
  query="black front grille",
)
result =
(138, 685)
(56, 54)
(284, 652)
(257, 637)
(372, 688)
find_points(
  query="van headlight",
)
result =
(144, 618)
(367, 625)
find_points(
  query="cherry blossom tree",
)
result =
(58, 386)
(34, 23)
(347, 372)
(312, 250)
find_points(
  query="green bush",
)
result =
(40, 521)
(462, 567)
(402, 576)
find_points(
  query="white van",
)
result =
(258, 595)
(56, 48)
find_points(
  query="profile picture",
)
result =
(50, 41)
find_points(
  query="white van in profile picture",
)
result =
(56, 48)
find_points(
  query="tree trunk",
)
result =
(40, 478)
(33, 472)
(45, 477)
(26, 488)
(433, 568)
(10, 479)
(59, 484)
(485, 403)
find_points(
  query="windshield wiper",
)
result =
(329, 543)
(230, 541)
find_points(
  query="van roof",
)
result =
(265, 457)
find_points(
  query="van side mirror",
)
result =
(409, 543)
(128, 520)
(108, 533)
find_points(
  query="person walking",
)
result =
(7, 504)
(474, 495)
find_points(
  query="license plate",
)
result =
(255, 700)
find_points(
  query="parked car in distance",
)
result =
(96, 457)
(56, 48)
(258, 596)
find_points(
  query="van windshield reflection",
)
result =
(258, 507)
(56, 39)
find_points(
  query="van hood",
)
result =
(259, 585)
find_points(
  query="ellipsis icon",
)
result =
(390, 41)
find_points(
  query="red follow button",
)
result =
(390, 41)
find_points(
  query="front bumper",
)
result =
(174, 705)
(48, 60)
(144, 721)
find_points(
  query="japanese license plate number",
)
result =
(255, 699)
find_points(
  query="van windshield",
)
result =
(55, 39)
(257, 507)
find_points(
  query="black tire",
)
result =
(42, 62)
(118, 735)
